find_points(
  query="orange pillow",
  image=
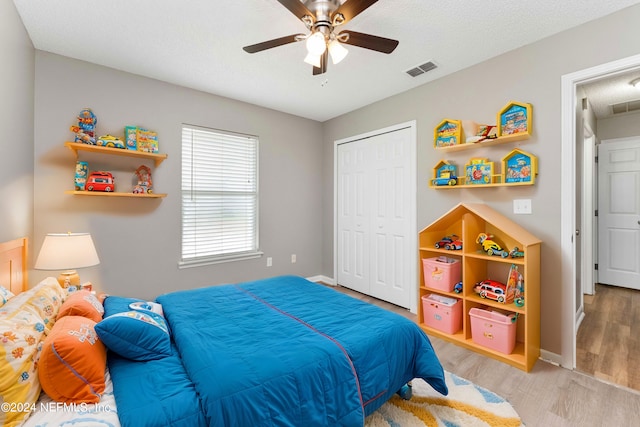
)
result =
(82, 303)
(73, 362)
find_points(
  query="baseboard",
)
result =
(550, 357)
(324, 279)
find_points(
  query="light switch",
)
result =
(522, 206)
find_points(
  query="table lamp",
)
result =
(67, 251)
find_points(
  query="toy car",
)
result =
(516, 253)
(491, 247)
(455, 245)
(491, 289)
(445, 178)
(110, 141)
(100, 181)
(446, 240)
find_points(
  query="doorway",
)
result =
(572, 206)
(375, 220)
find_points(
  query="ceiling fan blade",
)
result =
(351, 8)
(324, 59)
(368, 41)
(297, 8)
(271, 43)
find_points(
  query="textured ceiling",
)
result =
(612, 90)
(198, 43)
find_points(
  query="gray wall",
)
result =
(16, 126)
(138, 240)
(619, 126)
(528, 74)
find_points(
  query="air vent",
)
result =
(626, 107)
(421, 69)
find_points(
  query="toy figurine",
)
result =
(86, 129)
(81, 175)
(145, 184)
(489, 246)
(457, 288)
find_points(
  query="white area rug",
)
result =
(467, 405)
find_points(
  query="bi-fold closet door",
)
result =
(375, 226)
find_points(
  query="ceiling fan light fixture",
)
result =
(316, 44)
(312, 59)
(337, 51)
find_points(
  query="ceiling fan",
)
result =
(322, 17)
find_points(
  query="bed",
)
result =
(278, 351)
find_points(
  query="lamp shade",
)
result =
(316, 43)
(312, 59)
(67, 251)
(337, 51)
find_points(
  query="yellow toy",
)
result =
(489, 246)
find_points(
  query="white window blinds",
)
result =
(219, 195)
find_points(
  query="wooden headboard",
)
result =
(13, 265)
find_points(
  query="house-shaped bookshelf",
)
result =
(468, 220)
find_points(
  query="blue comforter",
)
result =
(285, 351)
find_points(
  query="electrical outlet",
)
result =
(269, 261)
(293, 258)
(522, 206)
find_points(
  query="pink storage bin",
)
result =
(441, 273)
(493, 330)
(442, 313)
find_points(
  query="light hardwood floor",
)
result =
(608, 341)
(548, 396)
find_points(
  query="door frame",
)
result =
(412, 245)
(569, 83)
(589, 205)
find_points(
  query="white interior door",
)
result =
(353, 212)
(619, 212)
(390, 278)
(375, 225)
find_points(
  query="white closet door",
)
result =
(353, 216)
(375, 253)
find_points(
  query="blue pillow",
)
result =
(136, 335)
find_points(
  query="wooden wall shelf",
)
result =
(116, 194)
(494, 184)
(75, 147)
(487, 143)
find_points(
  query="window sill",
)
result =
(198, 262)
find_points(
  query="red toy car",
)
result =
(100, 181)
(446, 241)
(455, 245)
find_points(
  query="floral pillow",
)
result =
(24, 319)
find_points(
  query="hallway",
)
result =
(608, 341)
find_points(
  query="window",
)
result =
(219, 196)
